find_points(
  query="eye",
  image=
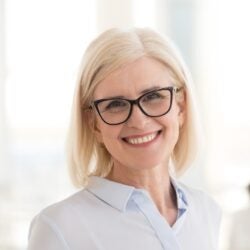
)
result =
(116, 105)
(156, 95)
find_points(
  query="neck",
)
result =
(155, 180)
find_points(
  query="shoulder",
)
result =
(200, 202)
(203, 213)
(197, 195)
(65, 212)
(63, 209)
(52, 227)
(56, 227)
(63, 205)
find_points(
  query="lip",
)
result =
(142, 140)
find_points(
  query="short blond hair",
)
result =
(108, 52)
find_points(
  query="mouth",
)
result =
(138, 140)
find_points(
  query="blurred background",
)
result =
(41, 45)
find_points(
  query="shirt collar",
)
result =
(113, 193)
(182, 202)
(117, 195)
(180, 194)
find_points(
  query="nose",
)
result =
(137, 119)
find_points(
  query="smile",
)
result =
(142, 139)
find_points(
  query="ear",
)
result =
(93, 125)
(181, 102)
(181, 117)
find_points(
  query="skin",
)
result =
(143, 165)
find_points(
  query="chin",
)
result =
(147, 164)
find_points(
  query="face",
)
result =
(141, 142)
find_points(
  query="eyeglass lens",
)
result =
(118, 110)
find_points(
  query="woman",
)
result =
(134, 117)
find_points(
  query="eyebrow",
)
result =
(141, 93)
(149, 89)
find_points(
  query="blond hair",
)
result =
(108, 52)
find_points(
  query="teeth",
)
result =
(143, 139)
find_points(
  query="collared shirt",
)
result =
(107, 215)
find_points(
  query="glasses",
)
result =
(156, 103)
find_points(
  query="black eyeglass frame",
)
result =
(171, 89)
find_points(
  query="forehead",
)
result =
(133, 78)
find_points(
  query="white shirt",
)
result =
(111, 216)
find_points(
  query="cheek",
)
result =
(108, 134)
(171, 124)
(176, 117)
(171, 119)
(111, 141)
(173, 130)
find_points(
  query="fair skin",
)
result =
(144, 164)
